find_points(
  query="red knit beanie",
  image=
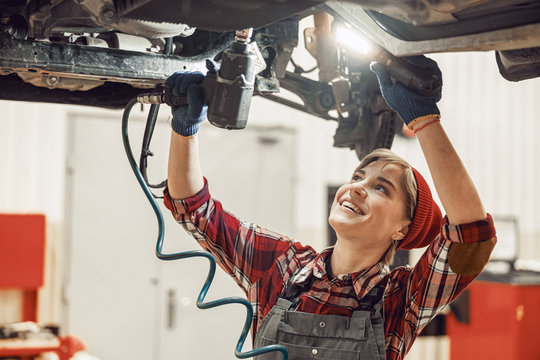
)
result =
(426, 221)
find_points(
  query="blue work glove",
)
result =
(186, 119)
(406, 102)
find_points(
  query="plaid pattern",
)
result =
(262, 261)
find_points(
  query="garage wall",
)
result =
(32, 140)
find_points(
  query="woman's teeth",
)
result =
(353, 207)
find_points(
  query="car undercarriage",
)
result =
(104, 53)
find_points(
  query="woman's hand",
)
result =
(406, 102)
(186, 119)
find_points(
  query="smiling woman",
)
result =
(357, 304)
(368, 213)
(391, 185)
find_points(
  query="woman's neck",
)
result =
(347, 260)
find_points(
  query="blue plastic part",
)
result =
(194, 253)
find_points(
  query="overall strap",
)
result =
(372, 298)
(292, 292)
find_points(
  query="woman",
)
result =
(344, 303)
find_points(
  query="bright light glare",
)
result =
(352, 39)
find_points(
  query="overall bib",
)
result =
(328, 337)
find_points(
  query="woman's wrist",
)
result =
(422, 122)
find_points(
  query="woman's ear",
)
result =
(402, 231)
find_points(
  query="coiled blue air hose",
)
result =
(187, 254)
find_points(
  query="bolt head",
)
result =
(108, 14)
(52, 80)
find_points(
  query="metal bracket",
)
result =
(136, 68)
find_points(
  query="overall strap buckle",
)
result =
(292, 292)
(371, 301)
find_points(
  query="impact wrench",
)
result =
(227, 92)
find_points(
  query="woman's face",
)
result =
(370, 209)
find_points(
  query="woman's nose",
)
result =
(358, 189)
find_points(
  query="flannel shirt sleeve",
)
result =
(244, 250)
(432, 283)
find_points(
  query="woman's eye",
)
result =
(356, 178)
(382, 189)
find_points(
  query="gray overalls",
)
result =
(328, 337)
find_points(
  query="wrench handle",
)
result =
(172, 100)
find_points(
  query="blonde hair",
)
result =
(388, 257)
(408, 183)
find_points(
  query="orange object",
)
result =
(69, 345)
(503, 322)
(22, 251)
(22, 257)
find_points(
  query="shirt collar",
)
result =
(363, 281)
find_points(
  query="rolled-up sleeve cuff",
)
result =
(189, 205)
(478, 231)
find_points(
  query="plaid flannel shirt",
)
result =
(262, 261)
